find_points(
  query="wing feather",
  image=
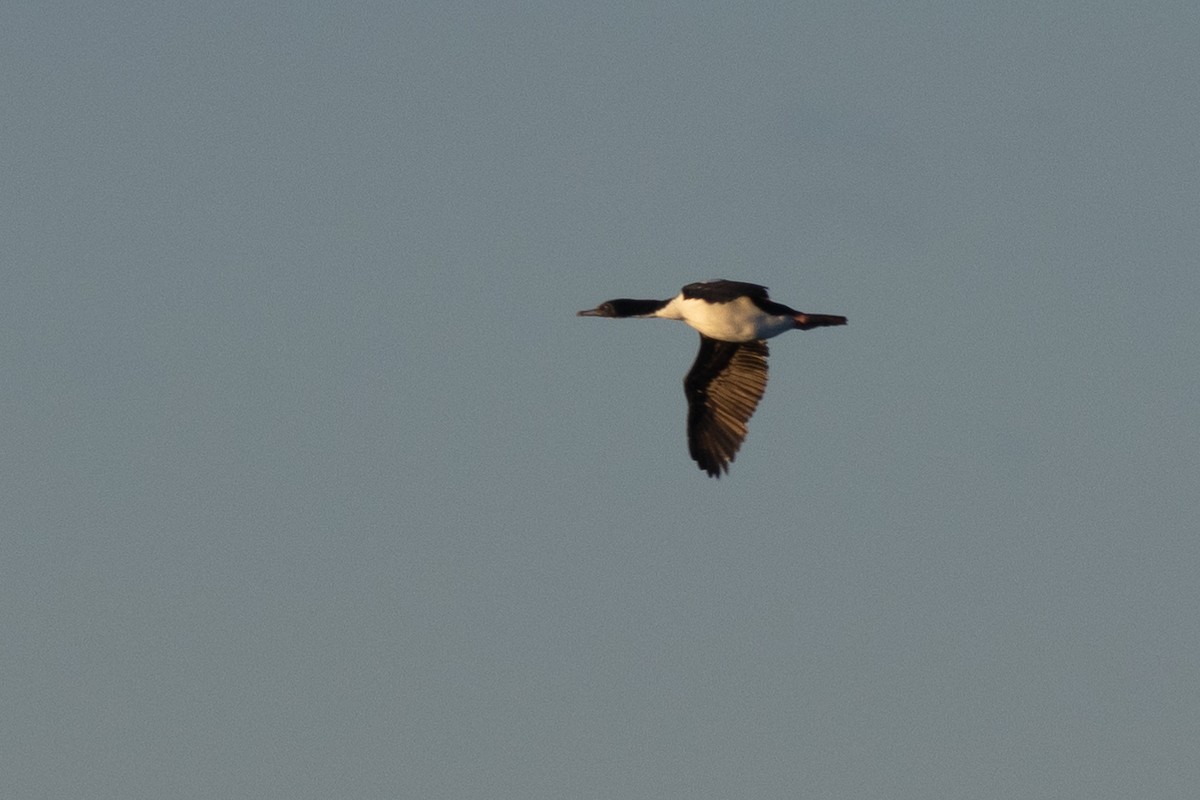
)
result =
(723, 388)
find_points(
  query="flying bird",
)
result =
(728, 378)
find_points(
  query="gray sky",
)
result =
(316, 487)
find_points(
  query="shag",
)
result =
(728, 378)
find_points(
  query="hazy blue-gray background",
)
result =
(314, 486)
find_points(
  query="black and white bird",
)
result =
(728, 378)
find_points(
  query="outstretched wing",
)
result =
(723, 388)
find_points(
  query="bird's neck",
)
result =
(638, 308)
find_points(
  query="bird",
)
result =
(729, 375)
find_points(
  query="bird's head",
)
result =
(606, 309)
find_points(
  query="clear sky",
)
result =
(315, 487)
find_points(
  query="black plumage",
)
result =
(723, 388)
(728, 378)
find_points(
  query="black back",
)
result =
(723, 291)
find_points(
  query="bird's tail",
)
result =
(809, 321)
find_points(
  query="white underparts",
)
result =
(739, 320)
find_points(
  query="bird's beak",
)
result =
(591, 312)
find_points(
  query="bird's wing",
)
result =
(723, 388)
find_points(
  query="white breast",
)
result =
(736, 321)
